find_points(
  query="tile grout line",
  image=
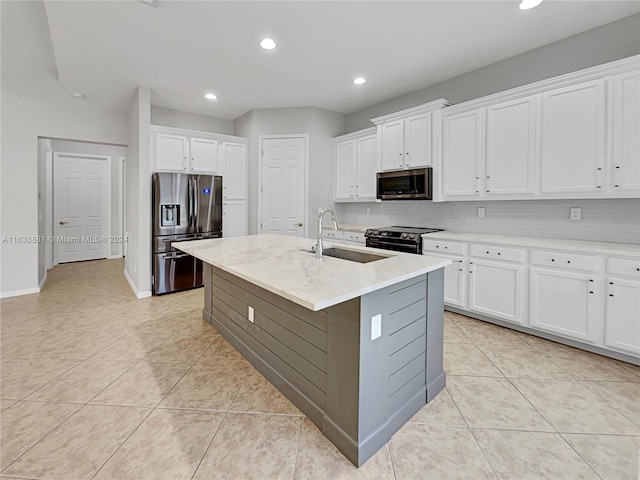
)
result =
(295, 461)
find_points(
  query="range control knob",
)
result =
(404, 235)
(412, 236)
(368, 232)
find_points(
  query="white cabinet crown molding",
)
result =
(592, 73)
(427, 107)
(198, 133)
(354, 135)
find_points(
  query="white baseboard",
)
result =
(113, 257)
(17, 293)
(42, 282)
(133, 287)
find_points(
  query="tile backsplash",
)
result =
(614, 220)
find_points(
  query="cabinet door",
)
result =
(345, 169)
(204, 155)
(573, 130)
(496, 289)
(564, 303)
(366, 167)
(626, 125)
(622, 318)
(417, 141)
(392, 145)
(234, 171)
(171, 152)
(462, 153)
(511, 147)
(234, 218)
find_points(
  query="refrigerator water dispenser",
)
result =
(170, 215)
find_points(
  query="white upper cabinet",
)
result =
(573, 136)
(393, 145)
(171, 152)
(625, 172)
(189, 151)
(463, 153)
(405, 138)
(573, 139)
(366, 166)
(511, 147)
(204, 155)
(356, 164)
(234, 170)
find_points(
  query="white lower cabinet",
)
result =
(564, 302)
(234, 218)
(622, 315)
(587, 297)
(497, 289)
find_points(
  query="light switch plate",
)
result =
(481, 212)
(250, 314)
(376, 326)
(368, 210)
(576, 214)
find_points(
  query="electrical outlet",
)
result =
(368, 210)
(481, 212)
(250, 315)
(576, 214)
(376, 326)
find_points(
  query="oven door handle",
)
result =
(376, 244)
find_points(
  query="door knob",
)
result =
(299, 224)
(63, 223)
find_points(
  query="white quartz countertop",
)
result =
(285, 266)
(603, 248)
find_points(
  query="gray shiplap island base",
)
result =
(358, 391)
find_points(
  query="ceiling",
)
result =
(184, 49)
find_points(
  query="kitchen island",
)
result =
(355, 344)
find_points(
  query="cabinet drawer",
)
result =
(443, 247)
(498, 252)
(354, 237)
(332, 234)
(623, 266)
(564, 260)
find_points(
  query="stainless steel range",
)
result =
(400, 239)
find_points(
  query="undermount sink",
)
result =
(352, 255)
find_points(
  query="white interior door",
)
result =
(283, 185)
(81, 203)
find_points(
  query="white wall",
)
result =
(44, 152)
(138, 193)
(610, 42)
(321, 125)
(192, 121)
(24, 119)
(114, 152)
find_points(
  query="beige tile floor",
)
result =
(97, 384)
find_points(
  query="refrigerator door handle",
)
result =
(189, 205)
(196, 205)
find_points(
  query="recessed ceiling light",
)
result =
(359, 80)
(210, 96)
(527, 4)
(268, 43)
(78, 95)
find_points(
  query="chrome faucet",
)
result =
(318, 246)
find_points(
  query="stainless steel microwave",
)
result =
(405, 185)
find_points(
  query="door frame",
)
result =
(261, 139)
(51, 181)
(123, 205)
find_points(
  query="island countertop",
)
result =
(285, 266)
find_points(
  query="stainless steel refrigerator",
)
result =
(185, 207)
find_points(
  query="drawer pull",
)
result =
(611, 294)
(498, 253)
(590, 292)
(446, 248)
(591, 280)
(553, 259)
(568, 261)
(610, 283)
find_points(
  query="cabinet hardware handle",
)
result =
(591, 280)
(599, 186)
(498, 253)
(611, 294)
(568, 261)
(459, 269)
(599, 168)
(638, 269)
(590, 292)
(488, 177)
(437, 246)
(446, 248)
(553, 259)
(407, 153)
(487, 253)
(610, 283)
(616, 186)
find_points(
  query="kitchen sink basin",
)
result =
(352, 255)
